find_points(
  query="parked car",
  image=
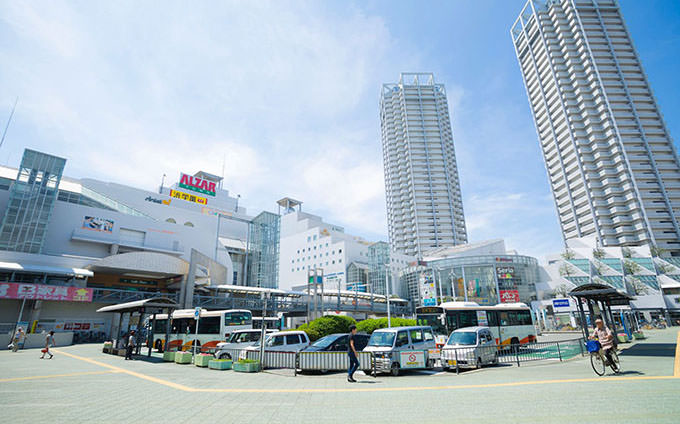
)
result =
(284, 341)
(337, 343)
(469, 347)
(389, 343)
(240, 339)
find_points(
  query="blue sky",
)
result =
(288, 93)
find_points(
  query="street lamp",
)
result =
(387, 294)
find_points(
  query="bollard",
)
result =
(516, 348)
(559, 353)
(297, 363)
(580, 344)
(375, 371)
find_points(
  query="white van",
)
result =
(284, 341)
(469, 347)
(239, 339)
(389, 343)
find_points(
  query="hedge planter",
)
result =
(182, 357)
(246, 366)
(220, 364)
(108, 346)
(169, 356)
(202, 360)
(639, 335)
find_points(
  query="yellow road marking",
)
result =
(73, 374)
(676, 368)
(368, 389)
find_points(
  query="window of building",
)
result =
(188, 224)
(171, 220)
(339, 250)
(309, 238)
(333, 262)
(339, 261)
(315, 237)
(333, 252)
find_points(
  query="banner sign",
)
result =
(188, 197)
(560, 303)
(412, 359)
(44, 292)
(197, 184)
(428, 292)
(98, 224)
(158, 201)
(509, 296)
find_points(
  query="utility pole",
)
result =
(387, 294)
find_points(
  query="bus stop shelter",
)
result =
(152, 306)
(602, 295)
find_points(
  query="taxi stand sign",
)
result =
(197, 316)
(412, 359)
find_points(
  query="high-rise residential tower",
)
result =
(424, 205)
(613, 169)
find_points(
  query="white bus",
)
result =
(510, 323)
(213, 327)
(271, 323)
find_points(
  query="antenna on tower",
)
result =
(224, 159)
(4, 133)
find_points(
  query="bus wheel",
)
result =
(394, 370)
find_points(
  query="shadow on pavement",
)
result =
(151, 360)
(650, 349)
(631, 373)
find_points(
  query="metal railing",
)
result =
(472, 357)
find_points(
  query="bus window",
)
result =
(504, 318)
(433, 321)
(209, 325)
(452, 320)
(467, 319)
(238, 318)
(492, 317)
(524, 318)
(160, 326)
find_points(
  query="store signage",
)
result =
(427, 290)
(412, 359)
(159, 201)
(509, 296)
(188, 197)
(44, 292)
(560, 303)
(482, 319)
(197, 184)
(98, 224)
(505, 272)
(503, 260)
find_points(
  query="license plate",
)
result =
(452, 362)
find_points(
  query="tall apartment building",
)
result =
(424, 204)
(613, 169)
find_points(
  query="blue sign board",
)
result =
(430, 302)
(560, 303)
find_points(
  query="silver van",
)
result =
(469, 347)
(399, 348)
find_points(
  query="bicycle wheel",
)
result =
(597, 363)
(615, 365)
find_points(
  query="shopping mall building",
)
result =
(69, 245)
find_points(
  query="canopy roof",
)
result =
(43, 269)
(147, 305)
(601, 292)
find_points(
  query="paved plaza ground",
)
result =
(81, 384)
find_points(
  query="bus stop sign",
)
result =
(197, 313)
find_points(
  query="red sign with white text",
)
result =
(509, 296)
(44, 292)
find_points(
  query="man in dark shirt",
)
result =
(131, 343)
(353, 355)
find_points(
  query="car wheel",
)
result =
(224, 356)
(445, 368)
(430, 364)
(479, 363)
(394, 370)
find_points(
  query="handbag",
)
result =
(44, 351)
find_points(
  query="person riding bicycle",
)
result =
(604, 335)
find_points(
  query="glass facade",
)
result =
(378, 260)
(31, 201)
(357, 277)
(487, 280)
(263, 251)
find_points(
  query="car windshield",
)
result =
(462, 338)
(382, 338)
(324, 342)
(245, 337)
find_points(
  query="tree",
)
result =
(329, 324)
(656, 252)
(568, 254)
(565, 270)
(561, 290)
(598, 253)
(639, 287)
(370, 325)
(631, 268)
(627, 253)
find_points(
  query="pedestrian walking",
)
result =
(131, 343)
(352, 353)
(49, 341)
(17, 338)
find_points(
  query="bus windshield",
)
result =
(433, 321)
(382, 338)
(465, 338)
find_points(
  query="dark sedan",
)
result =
(337, 343)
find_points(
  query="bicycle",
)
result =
(598, 359)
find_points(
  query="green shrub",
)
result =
(247, 361)
(368, 326)
(329, 324)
